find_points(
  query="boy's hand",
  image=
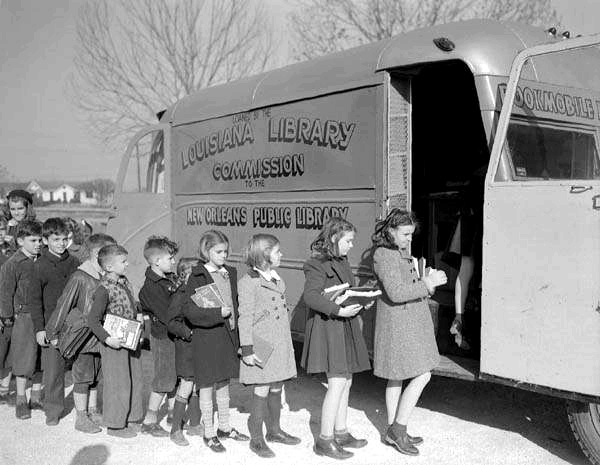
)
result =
(349, 310)
(54, 342)
(113, 342)
(225, 312)
(40, 337)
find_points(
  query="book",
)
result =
(334, 292)
(362, 295)
(262, 349)
(208, 296)
(129, 331)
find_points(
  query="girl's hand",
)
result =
(12, 222)
(113, 342)
(349, 311)
(434, 279)
(251, 360)
(226, 312)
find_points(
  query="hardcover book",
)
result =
(208, 296)
(129, 331)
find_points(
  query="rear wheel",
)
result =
(584, 419)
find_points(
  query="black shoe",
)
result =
(401, 444)
(232, 434)
(347, 440)
(260, 448)
(283, 438)
(414, 440)
(154, 429)
(35, 405)
(214, 444)
(22, 411)
(331, 449)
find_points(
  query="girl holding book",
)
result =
(214, 335)
(333, 341)
(404, 345)
(186, 398)
(265, 337)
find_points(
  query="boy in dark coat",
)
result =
(52, 270)
(154, 296)
(16, 277)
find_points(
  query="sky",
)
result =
(41, 136)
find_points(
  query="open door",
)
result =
(142, 198)
(541, 252)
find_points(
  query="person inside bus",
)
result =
(467, 242)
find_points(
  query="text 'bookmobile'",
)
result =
(403, 122)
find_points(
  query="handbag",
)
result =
(74, 335)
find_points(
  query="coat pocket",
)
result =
(260, 317)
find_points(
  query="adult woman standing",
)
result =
(405, 347)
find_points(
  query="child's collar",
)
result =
(213, 269)
(268, 275)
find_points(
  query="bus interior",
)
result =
(449, 160)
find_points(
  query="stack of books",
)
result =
(347, 295)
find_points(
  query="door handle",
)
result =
(596, 202)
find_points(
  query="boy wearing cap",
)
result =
(52, 270)
(16, 277)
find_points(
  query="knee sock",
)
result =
(178, 412)
(274, 403)
(151, 416)
(21, 399)
(207, 418)
(36, 395)
(193, 410)
(256, 419)
(223, 410)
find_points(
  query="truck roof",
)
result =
(487, 47)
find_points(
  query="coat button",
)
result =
(273, 299)
(282, 297)
(414, 280)
(277, 317)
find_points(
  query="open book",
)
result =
(129, 331)
(343, 294)
(208, 296)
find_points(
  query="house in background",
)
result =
(53, 191)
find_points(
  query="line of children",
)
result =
(248, 336)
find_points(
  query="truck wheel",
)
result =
(584, 419)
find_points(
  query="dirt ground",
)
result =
(462, 423)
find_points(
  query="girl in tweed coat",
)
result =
(333, 341)
(264, 322)
(405, 346)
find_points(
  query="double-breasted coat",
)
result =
(404, 343)
(178, 327)
(214, 343)
(332, 344)
(263, 312)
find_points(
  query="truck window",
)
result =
(146, 166)
(541, 151)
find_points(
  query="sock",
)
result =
(3, 390)
(274, 404)
(178, 412)
(398, 429)
(193, 410)
(340, 432)
(36, 395)
(151, 417)
(207, 418)
(256, 419)
(223, 410)
(325, 438)
(21, 399)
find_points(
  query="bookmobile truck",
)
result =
(402, 123)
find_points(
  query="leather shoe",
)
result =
(22, 411)
(283, 438)
(331, 449)
(414, 440)
(400, 443)
(154, 429)
(35, 405)
(178, 438)
(347, 440)
(232, 434)
(260, 448)
(214, 444)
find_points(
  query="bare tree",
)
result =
(5, 175)
(326, 26)
(137, 57)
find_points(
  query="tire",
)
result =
(584, 419)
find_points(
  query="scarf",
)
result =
(120, 297)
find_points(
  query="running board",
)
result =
(458, 367)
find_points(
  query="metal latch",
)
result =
(596, 202)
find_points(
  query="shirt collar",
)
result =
(213, 269)
(55, 258)
(268, 275)
(153, 276)
(28, 255)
